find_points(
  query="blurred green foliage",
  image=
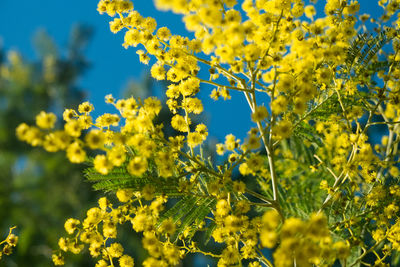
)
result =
(39, 190)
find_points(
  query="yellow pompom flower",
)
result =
(230, 142)
(178, 122)
(163, 33)
(22, 131)
(73, 128)
(259, 114)
(158, 72)
(268, 238)
(202, 130)
(95, 139)
(75, 153)
(71, 225)
(117, 155)
(126, 261)
(152, 106)
(102, 164)
(46, 120)
(283, 129)
(222, 207)
(85, 107)
(132, 38)
(167, 227)
(309, 11)
(124, 195)
(63, 244)
(194, 139)
(103, 203)
(69, 114)
(193, 105)
(57, 259)
(137, 166)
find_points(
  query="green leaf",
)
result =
(196, 213)
(365, 47)
(210, 229)
(119, 178)
(179, 210)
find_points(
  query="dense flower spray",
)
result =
(315, 87)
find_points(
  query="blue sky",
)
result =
(112, 65)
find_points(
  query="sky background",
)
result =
(112, 65)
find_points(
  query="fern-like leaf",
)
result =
(195, 214)
(119, 178)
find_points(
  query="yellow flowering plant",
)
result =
(314, 188)
(8, 244)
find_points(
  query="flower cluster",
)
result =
(308, 243)
(9, 243)
(98, 231)
(316, 87)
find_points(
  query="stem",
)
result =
(268, 149)
(366, 252)
(225, 86)
(263, 259)
(259, 196)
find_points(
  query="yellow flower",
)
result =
(102, 164)
(71, 225)
(158, 72)
(57, 259)
(95, 249)
(124, 195)
(50, 143)
(167, 227)
(75, 153)
(259, 114)
(309, 11)
(12, 240)
(69, 114)
(178, 122)
(95, 139)
(137, 166)
(192, 105)
(46, 120)
(115, 250)
(283, 129)
(85, 107)
(202, 130)
(253, 142)
(101, 263)
(230, 142)
(117, 155)
(107, 120)
(148, 192)
(268, 238)
(163, 33)
(279, 105)
(194, 139)
(126, 261)
(93, 215)
(73, 128)
(152, 106)
(116, 25)
(103, 203)
(22, 131)
(222, 207)
(230, 256)
(63, 244)
(171, 254)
